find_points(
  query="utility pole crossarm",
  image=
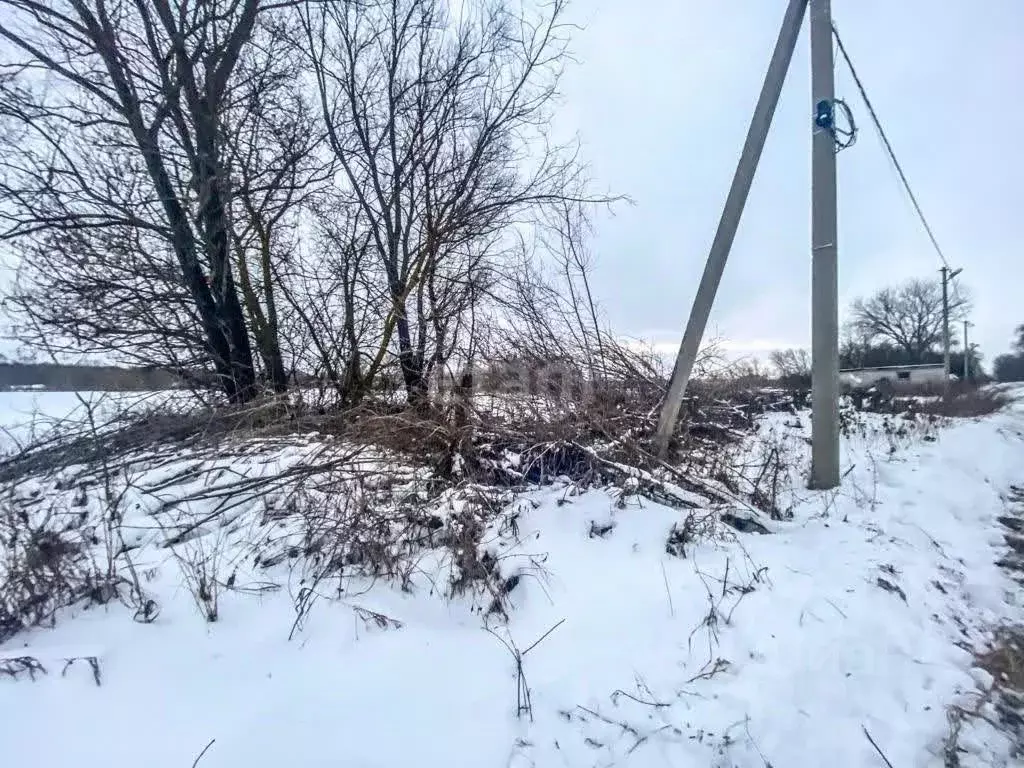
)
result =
(743, 177)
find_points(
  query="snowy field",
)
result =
(786, 649)
(30, 416)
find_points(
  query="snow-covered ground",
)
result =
(789, 649)
(27, 416)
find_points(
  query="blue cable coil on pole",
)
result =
(845, 135)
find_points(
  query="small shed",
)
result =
(930, 374)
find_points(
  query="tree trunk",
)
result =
(264, 326)
(215, 237)
(242, 369)
(234, 382)
(273, 361)
(412, 366)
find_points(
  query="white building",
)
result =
(896, 375)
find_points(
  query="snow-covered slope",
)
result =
(854, 618)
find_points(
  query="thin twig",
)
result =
(656, 704)
(200, 757)
(840, 610)
(877, 748)
(542, 637)
(753, 741)
(671, 607)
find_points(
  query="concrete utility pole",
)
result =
(947, 275)
(967, 352)
(824, 257)
(730, 220)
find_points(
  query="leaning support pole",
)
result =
(729, 223)
(824, 257)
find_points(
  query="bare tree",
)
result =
(1010, 367)
(440, 126)
(793, 364)
(549, 331)
(114, 138)
(276, 169)
(334, 293)
(909, 317)
(571, 226)
(238, 188)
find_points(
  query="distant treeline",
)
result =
(67, 378)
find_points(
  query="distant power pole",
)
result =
(824, 257)
(947, 275)
(730, 220)
(967, 353)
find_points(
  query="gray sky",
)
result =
(662, 97)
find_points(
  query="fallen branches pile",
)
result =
(250, 500)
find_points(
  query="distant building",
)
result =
(895, 375)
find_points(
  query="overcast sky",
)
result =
(662, 97)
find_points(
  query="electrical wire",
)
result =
(844, 137)
(888, 147)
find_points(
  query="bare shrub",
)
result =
(19, 666)
(965, 399)
(1004, 659)
(524, 700)
(46, 565)
(793, 367)
(968, 402)
(763, 474)
(472, 540)
(200, 560)
(341, 535)
(1002, 703)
